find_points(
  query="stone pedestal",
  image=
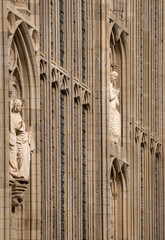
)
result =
(18, 187)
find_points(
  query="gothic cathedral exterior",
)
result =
(82, 120)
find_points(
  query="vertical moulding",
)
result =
(62, 32)
(84, 172)
(83, 28)
(64, 175)
(43, 154)
(54, 162)
(75, 169)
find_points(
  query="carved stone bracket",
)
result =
(86, 98)
(64, 83)
(158, 149)
(155, 146)
(43, 67)
(54, 74)
(77, 92)
(137, 134)
(19, 186)
(152, 145)
(143, 139)
(140, 136)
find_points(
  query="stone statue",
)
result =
(114, 115)
(20, 144)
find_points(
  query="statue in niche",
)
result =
(20, 144)
(114, 115)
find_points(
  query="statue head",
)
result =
(17, 105)
(113, 76)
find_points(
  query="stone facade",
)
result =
(91, 82)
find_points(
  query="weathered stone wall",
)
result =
(146, 159)
(4, 186)
(57, 57)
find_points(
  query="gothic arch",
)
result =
(118, 55)
(23, 77)
(118, 187)
(25, 68)
(124, 42)
(24, 84)
(124, 170)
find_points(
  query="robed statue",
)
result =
(113, 103)
(21, 143)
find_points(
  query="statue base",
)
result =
(18, 187)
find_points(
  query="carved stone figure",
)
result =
(20, 144)
(114, 115)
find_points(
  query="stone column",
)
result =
(4, 125)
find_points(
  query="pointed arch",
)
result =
(119, 55)
(26, 66)
(24, 84)
(117, 198)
